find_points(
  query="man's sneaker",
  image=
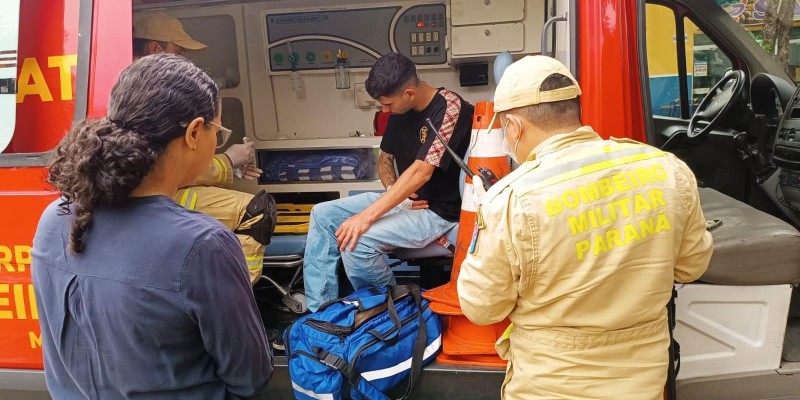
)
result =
(275, 339)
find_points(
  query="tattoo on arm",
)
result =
(386, 169)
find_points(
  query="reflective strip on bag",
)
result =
(403, 366)
(321, 396)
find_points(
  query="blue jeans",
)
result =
(365, 265)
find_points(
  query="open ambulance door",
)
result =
(714, 97)
(698, 65)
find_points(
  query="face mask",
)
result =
(505, 149)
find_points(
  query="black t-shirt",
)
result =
(408, 138)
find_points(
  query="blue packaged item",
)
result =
(363, 345)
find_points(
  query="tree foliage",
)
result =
(778, 20)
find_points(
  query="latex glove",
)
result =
(250, 172)
(241, 154)
(478, 191)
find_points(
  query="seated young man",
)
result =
(417, 208)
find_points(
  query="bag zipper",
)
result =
(329, 328)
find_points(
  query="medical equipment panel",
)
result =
(310, 40)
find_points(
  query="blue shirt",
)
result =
(157, 306)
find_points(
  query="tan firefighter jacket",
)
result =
(580, 247)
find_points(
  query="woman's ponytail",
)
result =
(97, 164)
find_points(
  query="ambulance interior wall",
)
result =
(321, 110)
(265, 107)
(270, 109)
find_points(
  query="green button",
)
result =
(278, 58)
(310, 56)
(294, 57)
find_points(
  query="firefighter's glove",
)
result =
(478, 191)
(241, 154)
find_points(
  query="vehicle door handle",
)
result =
(550, 22)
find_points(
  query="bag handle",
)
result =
(390, 298)
(422, 336)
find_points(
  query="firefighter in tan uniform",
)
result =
(580, 247)
(250, 216)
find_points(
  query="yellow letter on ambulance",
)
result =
(31, 72)
(64, 64)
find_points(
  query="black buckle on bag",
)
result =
(332, 360)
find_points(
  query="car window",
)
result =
(679, 55)
(706, 63)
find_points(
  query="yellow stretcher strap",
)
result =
(291, 207)
(288, 218)
(293, 218)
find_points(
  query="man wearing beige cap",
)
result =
(157, 32)
(580, 247)
(249, 216)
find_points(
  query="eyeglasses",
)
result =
(223, 133)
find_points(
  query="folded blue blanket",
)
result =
(321, 166)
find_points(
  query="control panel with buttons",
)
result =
(420, 34)
(309, 40)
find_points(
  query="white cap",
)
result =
(522, 81)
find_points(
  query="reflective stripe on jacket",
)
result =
(219, 173)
